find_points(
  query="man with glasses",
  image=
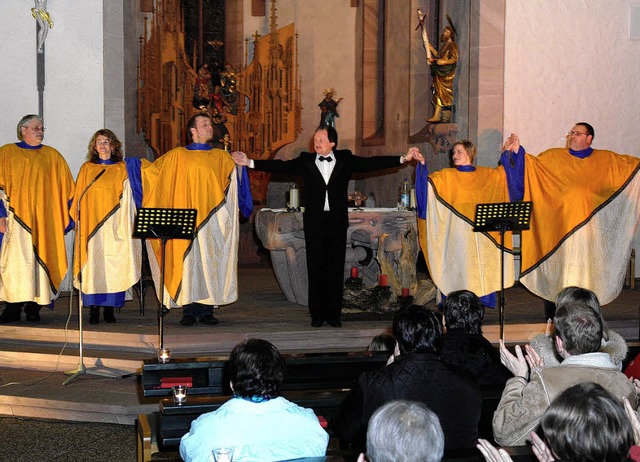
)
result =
(586, 208)
(34, 216)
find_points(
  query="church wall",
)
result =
(571, 61)
(326, 55)
(73, 95)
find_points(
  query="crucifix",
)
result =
(43, 24)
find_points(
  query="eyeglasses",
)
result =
(37, 129)
(573, 133)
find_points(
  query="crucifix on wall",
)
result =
(43, 24)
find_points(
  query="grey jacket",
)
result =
(523, 403)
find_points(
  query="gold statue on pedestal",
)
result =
(443, 64)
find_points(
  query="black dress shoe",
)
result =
(335, 323)
(316, 323)
(94, 315)
(11, 313)
(187, 320)
(209, 319)
(108, 314)
(32, 310)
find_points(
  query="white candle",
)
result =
(294, 199)
(412, 198)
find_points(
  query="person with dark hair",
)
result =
(200, 274)
(326, 174)
(464, 345)
(257, 422)
(585, 423)
(580, 195)
(37, 188)
(526, 396)
(109, 256)
(612, 342)
(458, 257)
(416, 374)
(382, 342)
(404, 431)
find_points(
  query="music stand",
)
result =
(164, 224)
(502, 217)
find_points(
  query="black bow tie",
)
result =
(322, 158)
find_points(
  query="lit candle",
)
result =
(383, 280)
(180, 394)
(164, 354)
(354, 272)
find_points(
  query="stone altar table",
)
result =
(281, 232)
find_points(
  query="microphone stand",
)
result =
(81, 369)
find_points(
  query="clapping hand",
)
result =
(517, 364)
(492, 454)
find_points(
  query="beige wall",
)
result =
(569, 61)
(74, 91)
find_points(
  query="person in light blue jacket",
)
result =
(258, 423)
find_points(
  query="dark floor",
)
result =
(34, 440)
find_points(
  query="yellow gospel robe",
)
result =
(109, 256)
(38, 186)
(459, 258)
(585, 215)
(205, 270)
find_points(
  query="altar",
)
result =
(282, 234)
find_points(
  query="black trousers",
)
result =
(326, 248)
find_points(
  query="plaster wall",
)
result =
(571, 61)
(73, 96)
(326, 54)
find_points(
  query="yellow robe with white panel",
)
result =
(38, 186)
(584, 217)
(109, 256)
(203, 270)
(459, 258)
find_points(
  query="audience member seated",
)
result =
(257, 422)
(464, 345)
(585, 423)
(578, 338)
(404, 431)
(382, 343)
(416, 374)
(612, 342)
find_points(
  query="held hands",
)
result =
(240, 158)
(512, 143)
(414, 153)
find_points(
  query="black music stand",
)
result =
(502, 217)
(164, 224)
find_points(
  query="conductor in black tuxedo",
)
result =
(326, 174)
